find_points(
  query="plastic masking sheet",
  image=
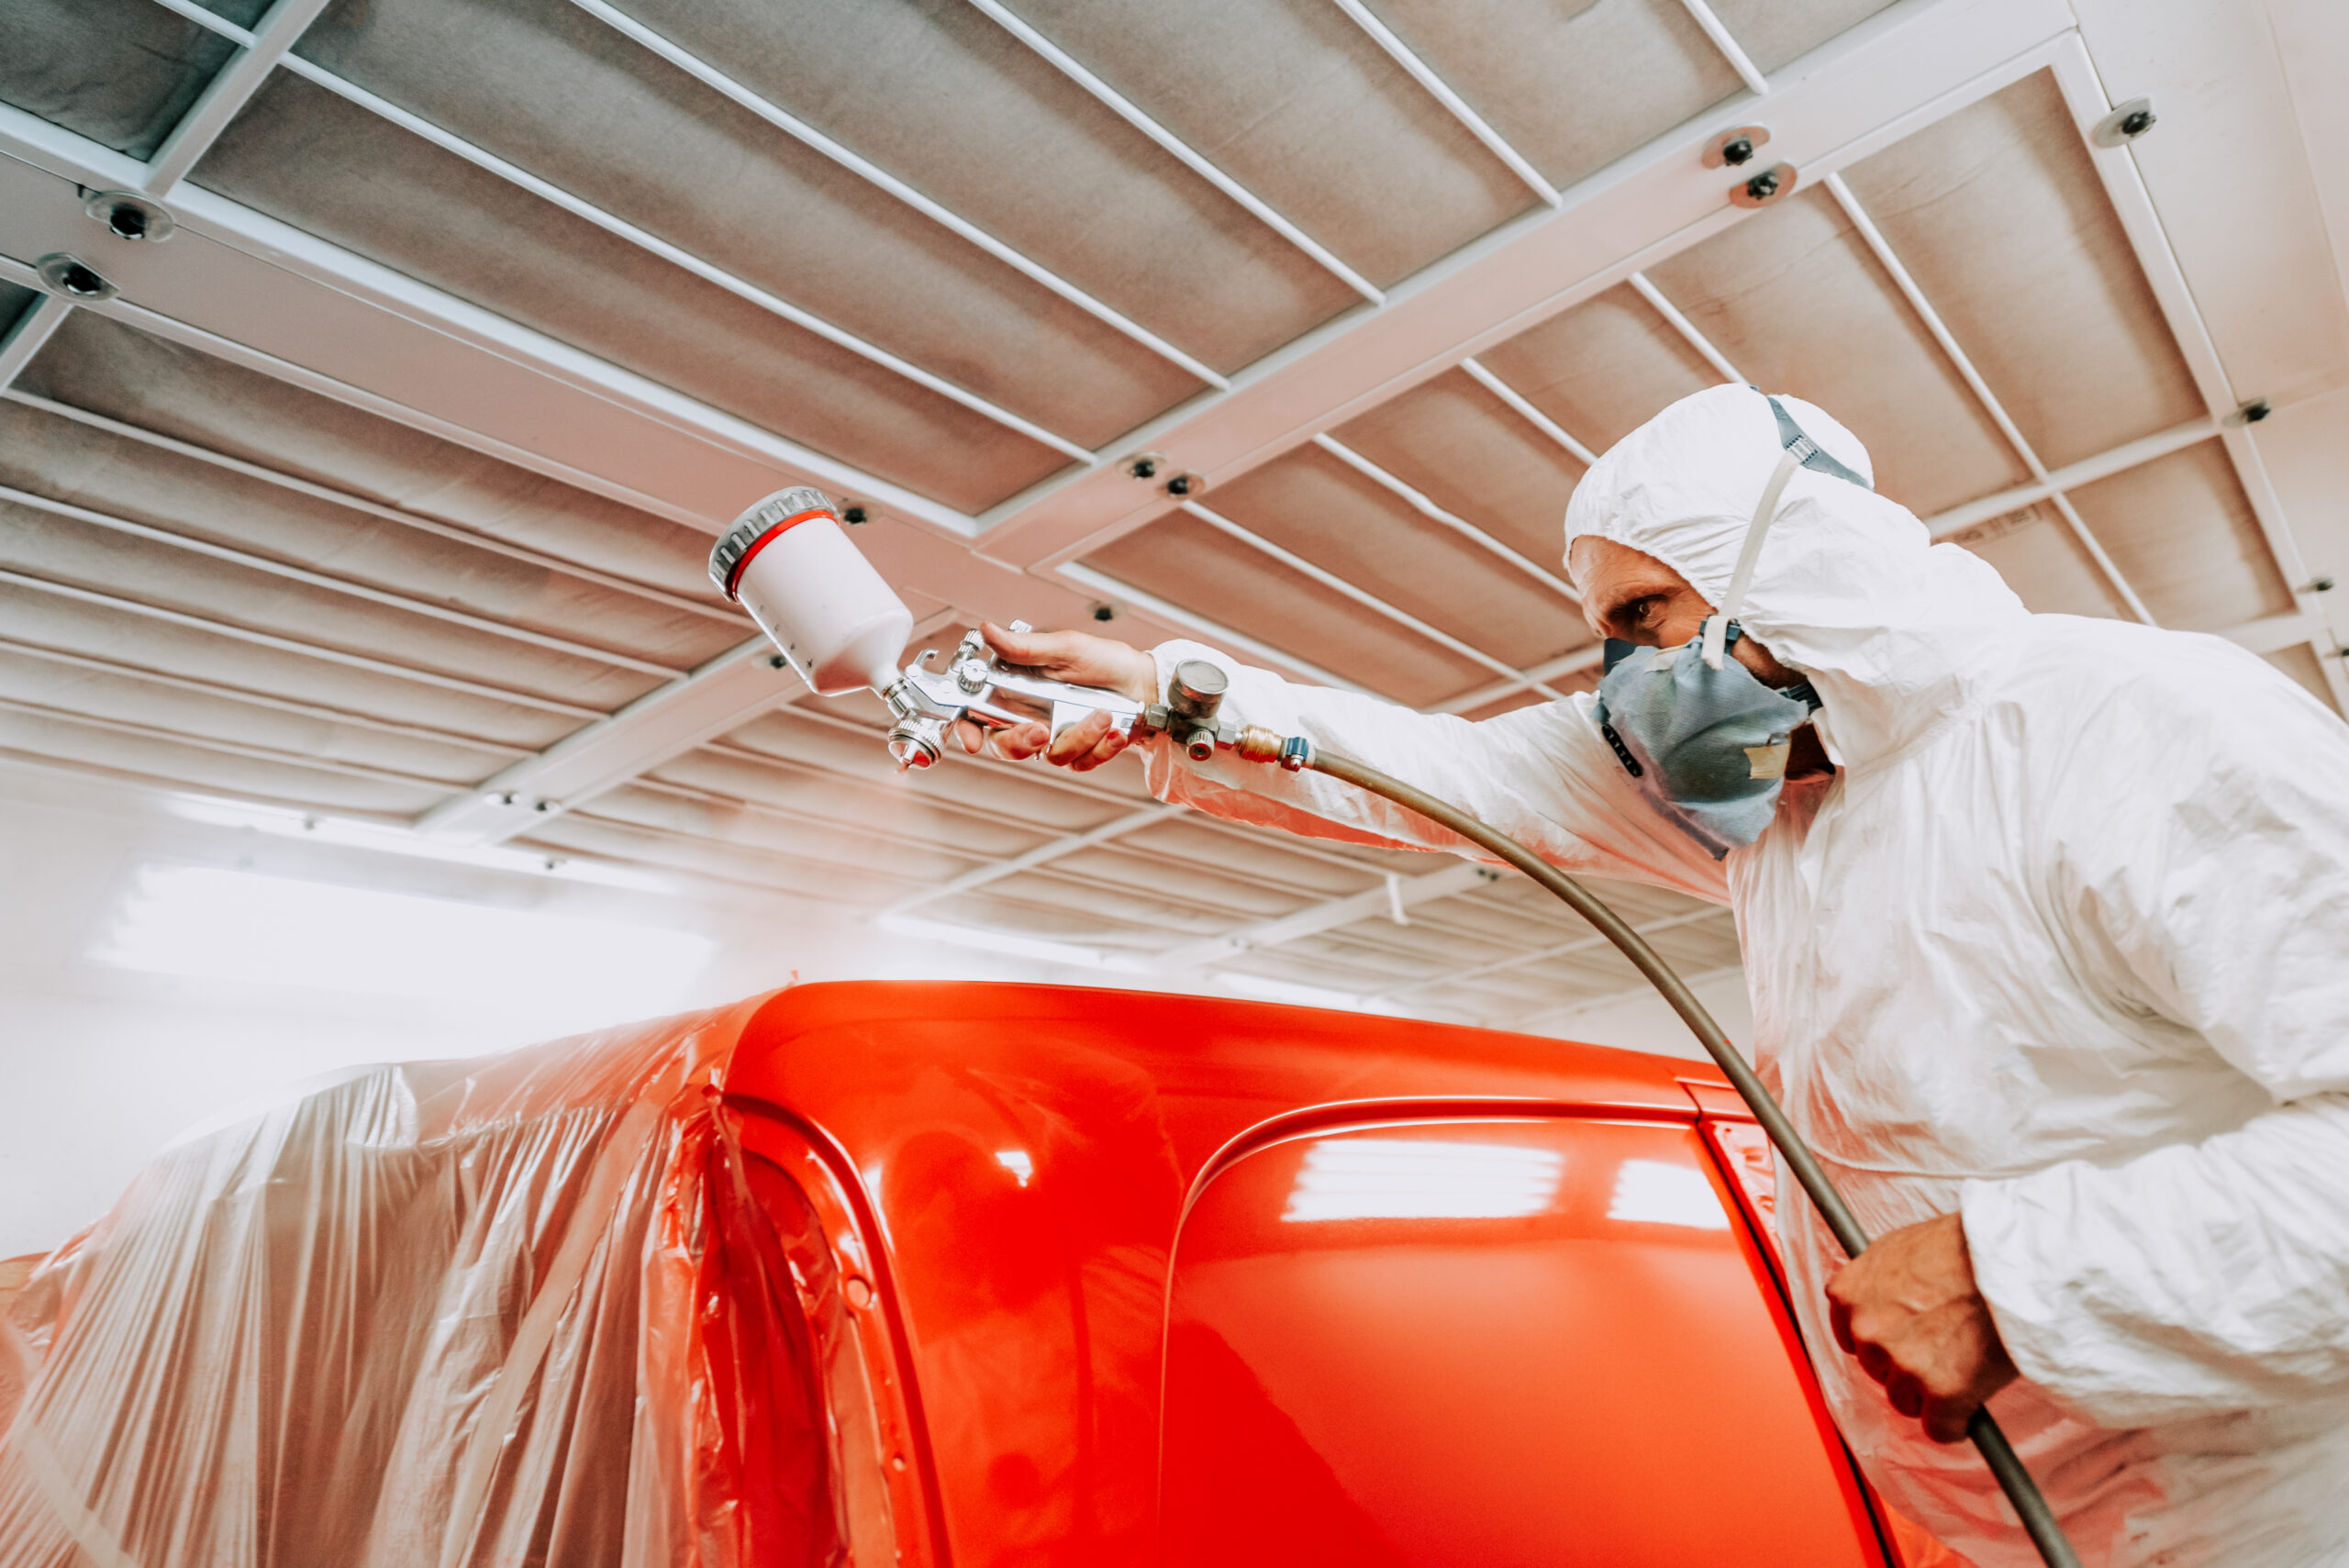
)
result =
(516, 1309)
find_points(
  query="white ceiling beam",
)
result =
(1329, 915)
(1190, 623)
(865, 168)
(1687, 329)
(1964, 363)
(389, 514)
(1730, 50)
(1455, 106)
(1911, 64)
(1127, 110)
(1368, 600)
(1572, 664)
(31, 330)
(244, 286)
(288, 645)
(230, 89)
(348, 587)
(1418, 502)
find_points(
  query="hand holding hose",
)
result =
(1080, 659)
(1908, 1309)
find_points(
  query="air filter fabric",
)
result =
(2063, 948)
(520, 1309)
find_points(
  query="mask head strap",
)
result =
(1800, 451)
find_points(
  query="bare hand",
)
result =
(1082, 660)
(1908, 1308)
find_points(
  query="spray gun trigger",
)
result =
(1067, 713)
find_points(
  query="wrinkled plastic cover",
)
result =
(518, 1309)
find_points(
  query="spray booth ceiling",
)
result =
(382, 490)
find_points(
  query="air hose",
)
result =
(1294, 753)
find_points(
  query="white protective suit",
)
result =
(2063, 945)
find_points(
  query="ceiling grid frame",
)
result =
(224, 746)
(1420, 502)
(1436, 87)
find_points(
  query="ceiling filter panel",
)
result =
(1998, 214)
(1796, 301)
(100, 366)
(1775, 33)
(1571, 86)
(119, 71)
(945, 99)
(1458, 444)
(2043, 562)
(2184, 535)
(302, 154)
(1602, 369)
(1295, 101)
(547, 87)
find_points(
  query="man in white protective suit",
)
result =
(2046, 925)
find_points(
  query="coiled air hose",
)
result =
(2038, 1519)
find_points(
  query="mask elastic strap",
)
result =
(1717, 625)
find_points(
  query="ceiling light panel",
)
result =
(1775, 33)
(974, 119)
(1601, 369)
(2182, 532)
(119, 71)
(102, 366)
(1462, 446)
(323, 165)
(1796, 301)
(2041, 560)
(1999, 215)
(1572, 89)
(1182, 560)
(1291, 98)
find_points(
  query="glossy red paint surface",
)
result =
(1489, 1342)
(1007, 1166)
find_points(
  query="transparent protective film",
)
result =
(537, 1307)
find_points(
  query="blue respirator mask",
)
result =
(1706, 741)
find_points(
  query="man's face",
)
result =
(1629, 594)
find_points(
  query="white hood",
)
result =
(1892, 629)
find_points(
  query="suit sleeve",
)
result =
(1541, 775)
(2214, 892)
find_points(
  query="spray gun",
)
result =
(788, 562)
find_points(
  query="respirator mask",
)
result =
(1703, 738)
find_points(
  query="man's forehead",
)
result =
(1603, 567)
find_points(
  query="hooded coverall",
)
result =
(2063, 945)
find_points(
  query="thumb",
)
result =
(1041, 650)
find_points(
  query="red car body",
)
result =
(1127, 1279)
